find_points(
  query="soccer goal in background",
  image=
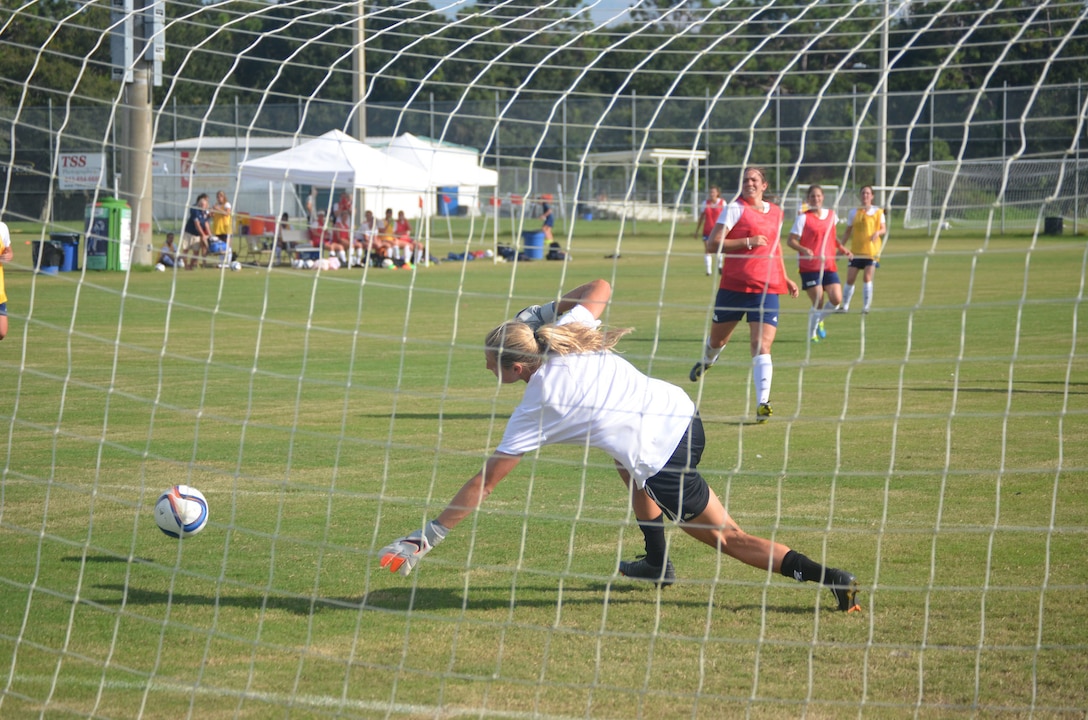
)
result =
(935, 447)
(1017, 194)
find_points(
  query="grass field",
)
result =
(935, 447)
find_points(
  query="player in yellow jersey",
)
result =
(865, 228)
(6, 253)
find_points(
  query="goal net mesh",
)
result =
(933, 446)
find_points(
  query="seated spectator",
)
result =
(370, 243)
(168, 254)
(401, 245)
(280, 243)
(318, 230)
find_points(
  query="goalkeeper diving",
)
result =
(579, 392)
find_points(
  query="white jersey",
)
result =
(603, 401)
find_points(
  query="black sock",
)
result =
(800, 568)
(653, 533)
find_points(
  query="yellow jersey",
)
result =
(863, 226)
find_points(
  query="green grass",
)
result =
(934, 447)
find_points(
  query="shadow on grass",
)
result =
(437, 599)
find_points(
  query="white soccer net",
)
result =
(934, 446)
(1016, 194)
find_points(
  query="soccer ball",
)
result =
(181, 511)
(388, 263)
(160, 267)
(236, 266)
(308, 264)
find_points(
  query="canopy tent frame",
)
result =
(631, 160)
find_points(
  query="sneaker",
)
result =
(865, 310)
(763, 413)
(642, 570)
(815, 338)
(844, 587)
(820, 331)
(698, 370)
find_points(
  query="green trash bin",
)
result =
(108, 243)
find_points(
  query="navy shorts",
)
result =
(862, 263)
(3, 308)
(730, 306)
(816, 279)
(678, 488)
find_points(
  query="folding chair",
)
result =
(255, 249)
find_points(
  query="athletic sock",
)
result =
(847, 293)
(813, 320)
(762, 372)
(710, 355)
(709, 262)
(800, 568)
(653, 534)
(867, 294)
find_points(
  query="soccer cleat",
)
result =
(698, 370)
(865, 310)
(843, 308)
(844, 587)
(639, 569)
(763, 412)
(815, 338)
(820, 331)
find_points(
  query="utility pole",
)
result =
(138, 47)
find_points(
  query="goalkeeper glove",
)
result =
(536, 315)
(403, 554)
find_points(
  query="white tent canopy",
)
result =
(336, 159)
(445, 165)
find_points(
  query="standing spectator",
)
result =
(865, 227)
(548, 218)
(813, 237)
(196, 238)
(579, 392)
(6, 254)
(311, 205)
(712, 210)
(221, 223)
(753, 276)
(344, 204)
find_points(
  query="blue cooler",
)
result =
(532, 244)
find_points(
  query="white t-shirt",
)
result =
(603, 401)
(854, 211)
(5, 236)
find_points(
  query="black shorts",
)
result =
(678, 488)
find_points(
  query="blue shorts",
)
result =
(816, 279)
(731, 306)
(3, 308)
(862, 263)
(678, 488)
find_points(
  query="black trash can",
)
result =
(51, 253)
(1052, 226)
